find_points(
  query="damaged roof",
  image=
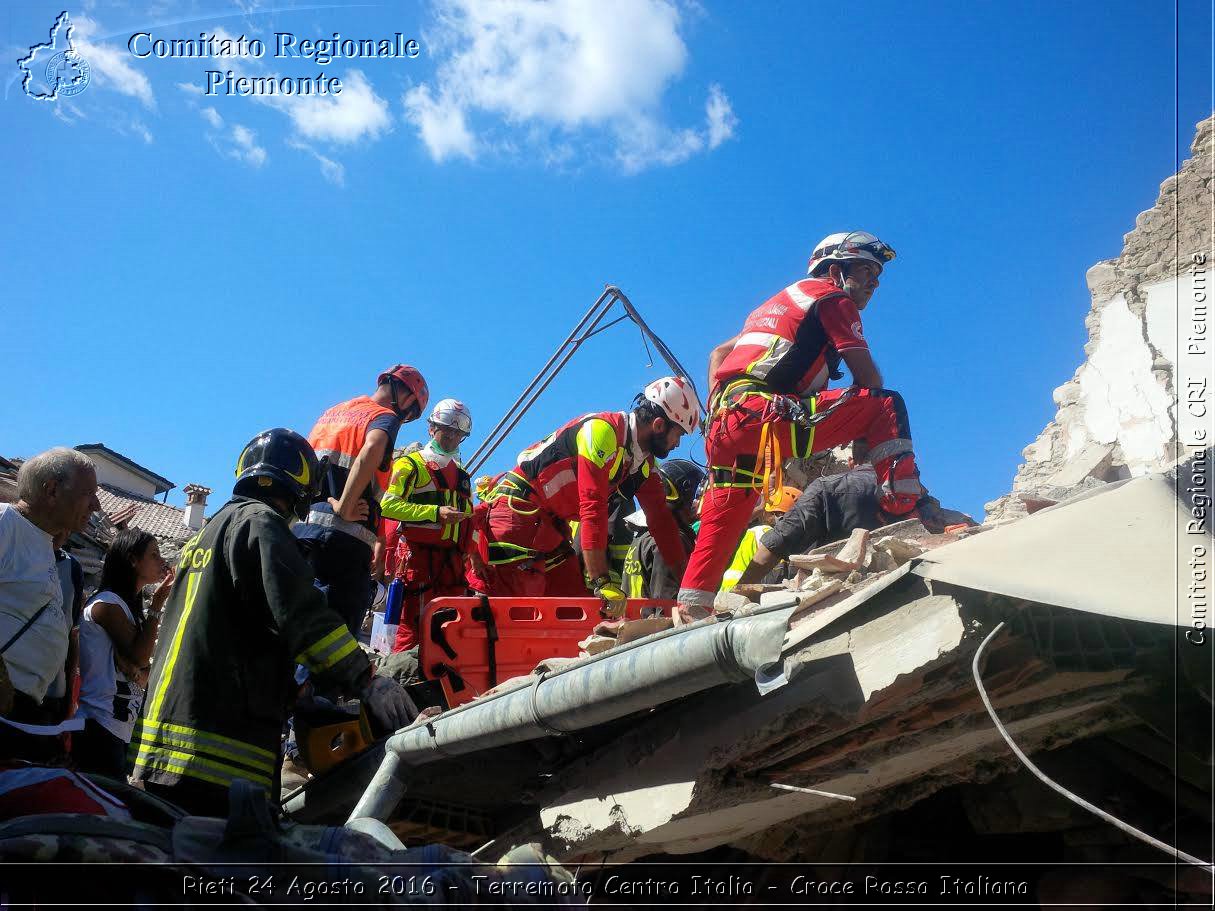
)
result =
(674, 742)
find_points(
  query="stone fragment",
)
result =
(637, 629)
(607, 627)
(593, 645)
(728, 601)
(856, 550)
(781, 598)
(822, 562)
(899, 551)
(824, 591)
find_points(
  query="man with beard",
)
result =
(570, 476)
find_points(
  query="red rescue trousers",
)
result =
(529, 553)
(428, 572)
(736, 466)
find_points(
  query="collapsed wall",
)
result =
(1117, 414)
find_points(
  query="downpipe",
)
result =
(621, 681)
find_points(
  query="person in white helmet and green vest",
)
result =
(430, 494)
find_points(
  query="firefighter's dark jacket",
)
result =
(243, 612)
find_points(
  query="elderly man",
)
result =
(56, 494)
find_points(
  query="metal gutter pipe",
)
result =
(621, 681)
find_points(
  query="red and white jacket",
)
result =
(792, 342)
(573, 472)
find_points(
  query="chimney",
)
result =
(196, 503)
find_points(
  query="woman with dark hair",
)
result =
(117, 636)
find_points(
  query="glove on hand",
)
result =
(614, 598)
(388, 703)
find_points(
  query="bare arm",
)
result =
(131, 644)
(362, 470)
(862, 367)
(716, 356)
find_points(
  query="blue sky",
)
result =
(181, 271)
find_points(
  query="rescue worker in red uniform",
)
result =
(430, 495)
(769, 403)
(571, 475)
(355, 440)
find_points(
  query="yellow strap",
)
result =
(774, 466)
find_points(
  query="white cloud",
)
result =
(242, 145)
(441, 124)
(332, 171)
(212, 117)
(720, 116)
(574, 69)
(110, 64)
(358, 113)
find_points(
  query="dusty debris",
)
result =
(639, 629)
(898, 550)
(814, 596)
(729, 601)
(827, 563)
(855, 549)
(593, 645)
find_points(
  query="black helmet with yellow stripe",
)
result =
(281, 462)
(681, 479)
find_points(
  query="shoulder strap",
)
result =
(21, 632)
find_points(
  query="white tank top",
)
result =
(106, 695)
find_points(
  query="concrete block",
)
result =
(778, 599)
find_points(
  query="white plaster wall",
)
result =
(1121, 399)
(1162, 299)
(116, 475)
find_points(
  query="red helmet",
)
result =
(411, 379)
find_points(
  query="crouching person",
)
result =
(243, 612)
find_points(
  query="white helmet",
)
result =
(452, 413)
(673, 394)
(850, 245)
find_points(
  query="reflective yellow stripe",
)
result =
(324, 643)
(328, 651)
(203, 736)
(189, 741)
(188, 763)
(349, 647)
(162, 684)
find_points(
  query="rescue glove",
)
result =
(614, 598)
(388, 703)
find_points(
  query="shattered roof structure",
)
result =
(159, 519)
(842, 721)
(776, 725)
